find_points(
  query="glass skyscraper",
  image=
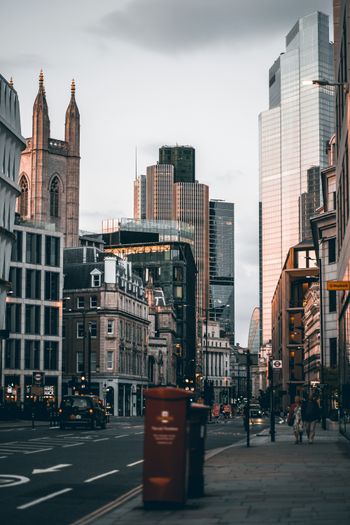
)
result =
(293, 134)
(222, 265)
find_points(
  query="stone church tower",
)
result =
(50, 170)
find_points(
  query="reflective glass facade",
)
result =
(293, 134)
(159, 192)
(222, 265)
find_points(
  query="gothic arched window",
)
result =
(23, 199)
(54, 197)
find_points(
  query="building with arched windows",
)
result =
(50, 169)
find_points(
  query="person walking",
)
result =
(310, 413)
(295, 420)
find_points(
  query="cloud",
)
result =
(24, 60)
(175, 26)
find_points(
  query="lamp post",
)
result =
(322, 82)
(248, 363)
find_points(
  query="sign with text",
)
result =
(338, 286)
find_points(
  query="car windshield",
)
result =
(76, 402)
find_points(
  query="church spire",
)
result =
(72, 126)
(41, 121)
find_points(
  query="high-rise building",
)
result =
(11, 144)
(309, 202)
(140, 197)
(222, 266)
(293, 135)
(49, 171)
(159, 192)
(253, 334)
(183, 160)
(192, 206)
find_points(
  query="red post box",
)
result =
(198, 429)
(165, 447)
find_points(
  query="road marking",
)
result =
(55, 468)
(121, 436)
(72, 445)
(108, 507)
(45, 498)
(3, 457)
(101, 476)
(136, 433)
(10, 480)
(36, 451)
(135, 463)
(101, 439)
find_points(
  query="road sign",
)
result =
(276, 363)
(338, 286)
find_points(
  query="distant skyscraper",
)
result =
(192, 206)
(140, 197)
(253, 334)
(293, 135)
(159, 192)
(183, 160)
(49, 171)
(222, 265)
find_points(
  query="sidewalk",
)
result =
(267, 483)
(12, 424)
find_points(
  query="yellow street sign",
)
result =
(338, 286)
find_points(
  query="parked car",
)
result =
(82, 410)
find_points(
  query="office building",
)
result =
(309, 202)
(293, 133)
(140, 197)
(222, 266)
(49, 170)
(183, 160)
(253, 333)
(160, 192)
(216, 362)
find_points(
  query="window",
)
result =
(80, 330)
(23, 199)
(93, 301)
(32, 319)
(333, 352)
(16, 281)
(16, 254)
(331, 251)
(51, 355)
(51, 321)
(52, 251)
(93, 329)
(95, 278)
(178, 294)
(80, 362)
(110, 356)
(54, 197)
(332, 301)
(13, 317)
(178, 273)
(52, 286)
(33, 248)
(12, 353)
(33, 284)
(80, 302)
(110, 327)
(32, 355)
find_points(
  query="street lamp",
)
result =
(323, 82)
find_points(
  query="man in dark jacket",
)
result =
(310, 414)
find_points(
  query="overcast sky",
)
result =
(155, 72)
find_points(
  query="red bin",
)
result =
(165, 447)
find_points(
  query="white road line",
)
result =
(135, 463)
(136, 433)
(72, 445)
(101, 476)
(3, 457)
(36, 451)
(101, 439)
(121, 436)
(45, 498)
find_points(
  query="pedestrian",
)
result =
(310, 413)
(295, 420)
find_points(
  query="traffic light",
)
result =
(83, 381)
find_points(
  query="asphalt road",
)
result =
(59, 476)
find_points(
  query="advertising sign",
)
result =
(38, 378)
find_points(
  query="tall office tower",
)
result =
(49, 171)
(309, 201)
(11, 144)
(293, 135)
(222, 265)
(140, 197)
(159, 192)
(253, 334)
(183, 160)
(192, 206)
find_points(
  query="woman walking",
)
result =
(310, 413)
(295, 420)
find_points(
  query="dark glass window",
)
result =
(12, 353)
(51, 320)
(32, 321)
(23, 198)
(331, 251)
(16, 281)
(54, 197)
(52, 286)
(32, 354)
(33, 284)
(13, 317)
(93, 328)
(52, 251)
(51, 355)
(333, 351)
(16, 254)
(33, 248)
(332, 301)
(80, 302)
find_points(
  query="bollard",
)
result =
(33, 423)
(198, 416)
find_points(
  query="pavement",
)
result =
(267, 483)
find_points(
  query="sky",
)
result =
(150, 73)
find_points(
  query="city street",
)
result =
(63, 475)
